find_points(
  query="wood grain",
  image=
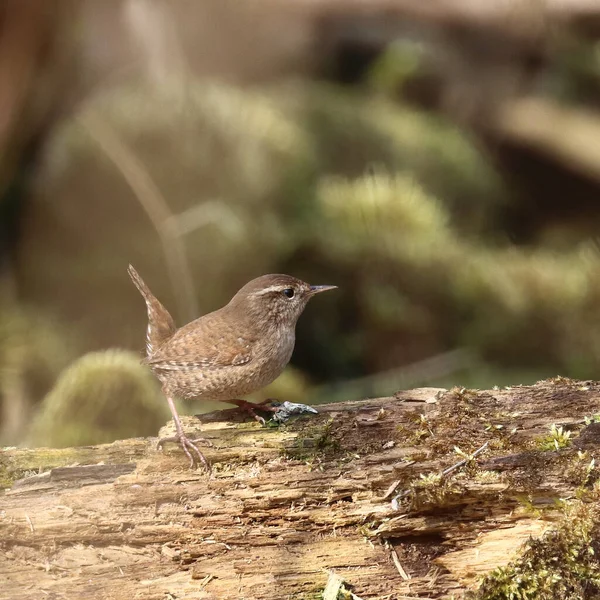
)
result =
(287, 506)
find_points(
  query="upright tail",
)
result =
(160, 323)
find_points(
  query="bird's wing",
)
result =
(185, 363)
(203, 345)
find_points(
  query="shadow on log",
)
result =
(285, 507)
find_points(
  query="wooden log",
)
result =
(287, 506)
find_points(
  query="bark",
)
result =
(285, 507)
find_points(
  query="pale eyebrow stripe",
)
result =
(273, 288)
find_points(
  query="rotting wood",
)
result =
(287, 506)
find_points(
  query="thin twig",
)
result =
(391, 489)
(30, 522)
(464, 461)
(397, 562)
(206, 581)
(154, 204)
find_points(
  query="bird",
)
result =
(231, 352)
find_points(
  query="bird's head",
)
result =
(278, 299)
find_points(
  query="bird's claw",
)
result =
(249, 407)
(189, 448)
(256, 417)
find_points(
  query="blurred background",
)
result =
(438, 161)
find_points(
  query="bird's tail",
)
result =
(160, 323)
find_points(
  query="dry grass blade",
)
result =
(152, 201)
(333, 587)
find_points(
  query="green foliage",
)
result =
(33, 350)
(387, 215)
(351, 133)
(418, 275)
(101, 397)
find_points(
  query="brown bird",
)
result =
(228, 353)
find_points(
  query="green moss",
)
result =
(556, 439)
(26, 462)
(313, 441)
(563, 564)
(424, 429)
(345, 594)
(529, 506)
(432, 491)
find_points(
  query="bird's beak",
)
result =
(317, 289)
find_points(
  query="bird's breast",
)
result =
(276, 347)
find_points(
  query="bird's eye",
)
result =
(288, 293)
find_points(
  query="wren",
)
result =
(228, 353)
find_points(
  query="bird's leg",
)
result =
(250, 407)
(189, 446)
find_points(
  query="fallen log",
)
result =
(287, 507)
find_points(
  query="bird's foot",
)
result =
(189, 447)
(251, 407)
